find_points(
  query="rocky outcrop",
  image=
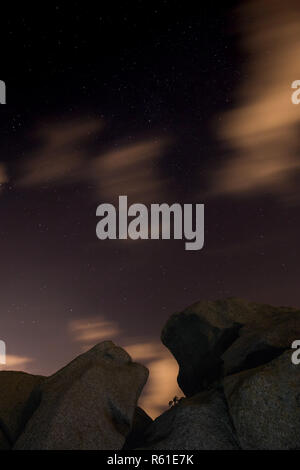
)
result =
(198, 423)
(15, 406)
(89, 404)
(265, 405)
(243, 390)
(213, 339)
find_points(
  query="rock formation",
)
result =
(264, 404)
(15, 406)
(89, 404)
(210, 340)
(242, 389)
(201, 422)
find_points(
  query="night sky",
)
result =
(164, 102)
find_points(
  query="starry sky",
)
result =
(163, 101)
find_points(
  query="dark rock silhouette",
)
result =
(141, 422)
(213, 339)
(4, 443)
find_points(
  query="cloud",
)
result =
(63, 157)
(3, 175)
(15, 362)
(69, 132)
(93, 330)
(60, 158)
(263, 128)
(132, 170)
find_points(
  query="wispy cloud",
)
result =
(60, 156)
(15, 362)
(3, 175)
(63, 155)
(263, 128)
(130, 169)
(92, 330)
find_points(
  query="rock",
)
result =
(265, 405)
(15, 406)
(213, 339)
(198, 423)
(89, 404)
(4, 443)
(136, 438)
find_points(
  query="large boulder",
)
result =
(15, 406)
(213, 339)
(89, 404)
(264, 404)
(198, 423)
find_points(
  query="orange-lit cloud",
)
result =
(132, 170)
(3, 175)
(61, 154)
(64, 157)
(15, 362)
(263, 128)
(91, 331)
